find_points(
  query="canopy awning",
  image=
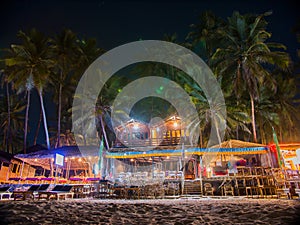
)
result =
(189, 151)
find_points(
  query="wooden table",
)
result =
(126, 192)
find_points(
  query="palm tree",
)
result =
(11, 122)
(286, 101)
(21, 79)
(206, 35)
(244, 57)
(237, 119)
(7, 87)
(86, 53)
(64, 53)
(267, 115)
(31, 64)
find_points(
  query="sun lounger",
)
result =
(58, 192)
(5, 193)
(43, 187)
(31, 192)
(23, 194)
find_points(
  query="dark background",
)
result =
(117, 22)
(114, 23)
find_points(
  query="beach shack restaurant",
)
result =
(160, 157)
(160, 151)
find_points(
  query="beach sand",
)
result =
(177, 211)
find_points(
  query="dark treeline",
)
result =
(258, 79)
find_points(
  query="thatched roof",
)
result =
(238, 144)
(289, 146)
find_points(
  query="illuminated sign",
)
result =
(59, 159)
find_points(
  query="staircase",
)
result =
(191, 187)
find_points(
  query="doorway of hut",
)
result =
(189, 169)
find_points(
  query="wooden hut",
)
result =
(132, 133)
(169, 132)
(11, 169)
(76, 161)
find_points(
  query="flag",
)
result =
(100, 161)
(95, 169)
(277, 148)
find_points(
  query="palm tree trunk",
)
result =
(59, 115)
(82, 130)
(104, 132)
(26, 122)
(201, 138)
(218, 133)
(38, 128)
(8, 137)
(44, 119)
(253, 118)
(237, 127)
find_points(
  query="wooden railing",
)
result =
(151, 142)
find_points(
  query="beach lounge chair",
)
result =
(43, 187)
(31, 192)
(5, 193)
(23, 194)
(58, 192)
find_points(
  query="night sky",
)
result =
(114, 23)
(118, 22)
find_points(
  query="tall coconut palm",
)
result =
(87, 52)
(7, 87)
(267, 116)
(286, 100)
(64, 53)
(21, 79)
(11, 122)
(31, 64)
(244, 57)
(206, 35)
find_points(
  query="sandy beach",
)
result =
(178, 211)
